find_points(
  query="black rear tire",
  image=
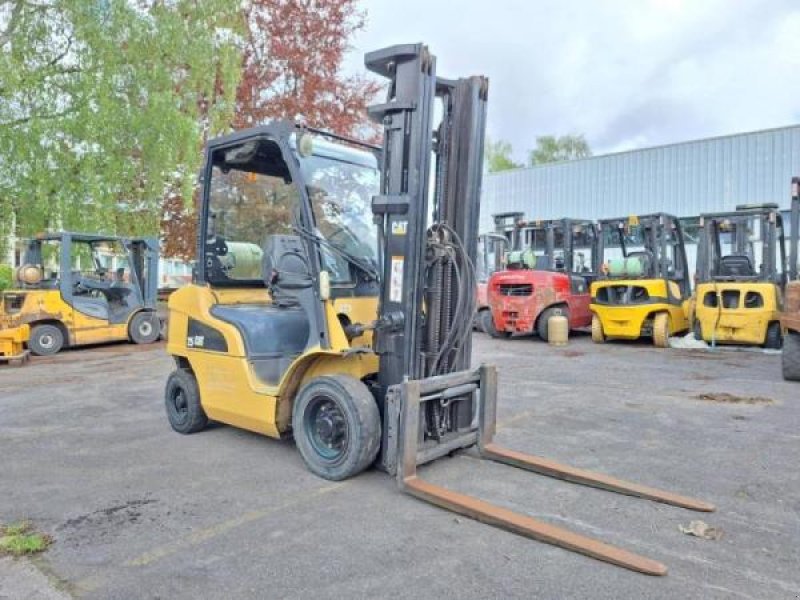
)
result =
(484, 320)
(542, 325)
(46, 340)
(145, 328)
(791, 356)
(774, 340)
(492, 330)
(698, 331)
(337, 426)
(182, 398)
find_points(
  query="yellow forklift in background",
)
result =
(741, 276)
(644, 286)
(75, 289)
(355, 336)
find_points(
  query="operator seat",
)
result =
(736, 265)
(275, 334)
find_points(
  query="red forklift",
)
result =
(549, 272)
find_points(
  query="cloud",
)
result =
(626, 73)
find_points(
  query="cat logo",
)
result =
(399, 227)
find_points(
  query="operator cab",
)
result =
(746, 245)
(100, 276)
(562, 245)
(645, 247)
(289, 211)
(264, 185)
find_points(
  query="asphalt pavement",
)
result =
(138, 511)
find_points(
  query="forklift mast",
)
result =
(417, 256)
(143, 254)
(432, 402)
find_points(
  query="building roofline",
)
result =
(647, 148)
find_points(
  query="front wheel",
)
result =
(337, 426)
(661, 327)
(598, 337)
(46, 340)
(145, 328)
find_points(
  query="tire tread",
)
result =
(197, 416)
(355, 397)
(791, 356)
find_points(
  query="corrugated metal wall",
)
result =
(684, 179)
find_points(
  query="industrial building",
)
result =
(684, 179)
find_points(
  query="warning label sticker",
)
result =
(396, 280)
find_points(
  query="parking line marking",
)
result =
(202, 535)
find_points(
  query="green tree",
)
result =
(103, 106)
(550, 148)
(498, 156)
(6, 277)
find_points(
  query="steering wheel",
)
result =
(78, 287)
(342, 231)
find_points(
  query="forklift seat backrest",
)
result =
(735, 265)
(285, 267)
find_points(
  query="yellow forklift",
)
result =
(354, 337)
(741, 276)
(75, 289)
(644, 287)
(790, 318)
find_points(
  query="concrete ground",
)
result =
(137, 511)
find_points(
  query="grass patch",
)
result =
(19, 539)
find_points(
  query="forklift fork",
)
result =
(483, 384)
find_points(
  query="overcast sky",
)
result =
(626, 73)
